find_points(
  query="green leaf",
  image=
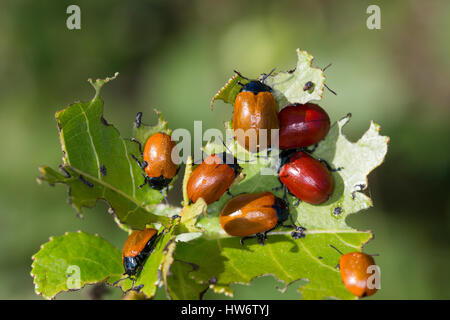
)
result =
(310, 258)
(179, 284)
(177, 281)
(287, 259)
(75, 255)
(97, 164)
(142, 132)
(230, 90)
(289, 87)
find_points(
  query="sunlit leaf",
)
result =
(71, 261)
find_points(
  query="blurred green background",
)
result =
(175, 55)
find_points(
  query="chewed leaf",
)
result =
(230, 90)
(141, 131)
(190, 214)
(73, 260)
(356, 161)
(176, 275)
(310, 258)
(98, 164)
(300, 85)
(180, 286)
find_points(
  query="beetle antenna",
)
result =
(232, 152)
(329, 65)
(240, 75)
(336, 249)
(267, 75)
(333, 92)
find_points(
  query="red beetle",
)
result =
(158, 165)
(302, 125)
(213, 177)
(254, 215)
(306, 178)
(254, 109)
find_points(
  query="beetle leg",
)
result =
(138, 288)
(246, 238)
(138, 121)
(142, 164)
(165, 198)
(360, 187)
(261, 237)
(132, 285)
(66, 173)
(311, 150)
(145, 182)
(298, 233)
(328, 165)
(278, 188)
(88, 183)
(119, 280)
(139, 144)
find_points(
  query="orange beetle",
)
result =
(254, 108)
(253, 214)
(213, 177)
(355, 273)
(158, 164)
(138, 246)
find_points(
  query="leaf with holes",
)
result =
(178, 284)
(71, 261)
(310, 258)
(300, 85)
(98, 164)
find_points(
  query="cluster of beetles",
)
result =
(256, 214)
